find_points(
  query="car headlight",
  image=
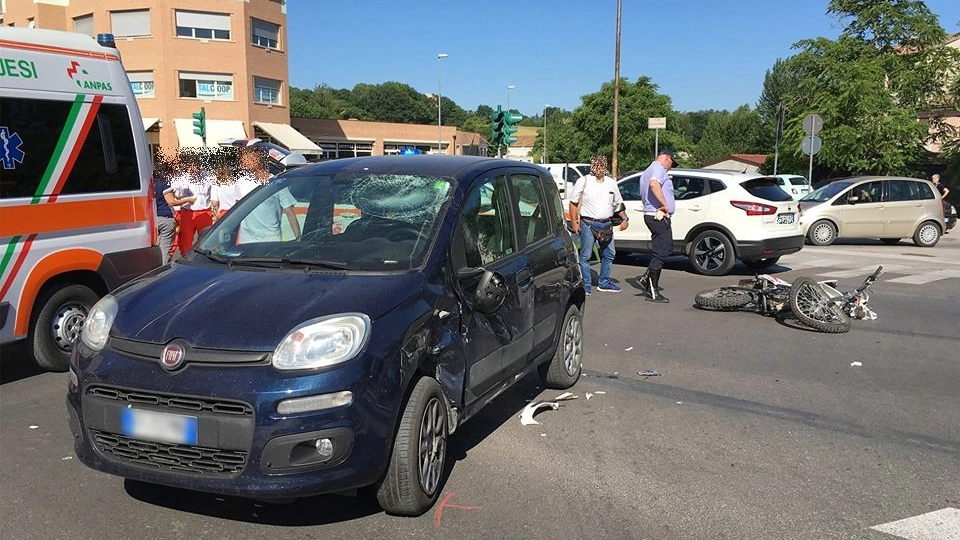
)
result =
(96, 329)
(323, 342)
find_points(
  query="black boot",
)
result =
(654, 284)
(644, 283)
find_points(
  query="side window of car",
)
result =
(630, 190)
(716, 186)
(685, 188)
(531, 207)
(902, 190)
(485, 229)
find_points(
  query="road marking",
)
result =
(926, 277)
(943, 524)
(863, 271)
(811, 263)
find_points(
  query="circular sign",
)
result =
(811, 145)
(812, 124)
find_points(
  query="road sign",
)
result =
(812, 124)
(811, 145)
(657, 123)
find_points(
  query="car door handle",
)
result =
(524, 279)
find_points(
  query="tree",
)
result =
(729, 133)
(639, 101)
(395, 102)
(778, 84)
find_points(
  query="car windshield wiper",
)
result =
(212, 256)
(333, 265)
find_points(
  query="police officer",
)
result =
(656, 190)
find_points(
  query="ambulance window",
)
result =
(39, 143)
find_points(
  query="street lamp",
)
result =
(509, 88)
(440, 57)
(543, 156)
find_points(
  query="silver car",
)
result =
(884, 207)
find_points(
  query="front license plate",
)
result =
(159, 426)
(784, 219)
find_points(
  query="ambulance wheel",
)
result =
(57, 321)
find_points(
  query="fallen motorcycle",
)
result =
(817, 304)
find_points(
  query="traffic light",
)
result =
(200, 124)
(496, 130)
(510, 121)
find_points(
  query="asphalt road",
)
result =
(753, 428)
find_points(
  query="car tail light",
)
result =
(755, 208)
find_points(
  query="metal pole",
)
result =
(440, 57)
(543, 156)
(656, 143)
(810, 172)
(616, 96)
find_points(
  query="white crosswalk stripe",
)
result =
(863, 271)
(927, 277)
(943, 524)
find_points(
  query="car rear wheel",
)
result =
(58, 320)
(563, 370)
(927, 235)
(822, 233)
(412, 482)
(712, 254)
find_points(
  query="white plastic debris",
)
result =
(600, 392)
(588, 395)
(34, 427)
(526, 416)
(856, 364)
(628, 349)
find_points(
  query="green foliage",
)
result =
(729, 133)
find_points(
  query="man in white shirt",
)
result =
(593, 202)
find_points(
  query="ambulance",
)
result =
(77, 210)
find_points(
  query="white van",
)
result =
(77, 209)
(565, 174)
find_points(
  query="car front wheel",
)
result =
(412, 482)
(822, 233)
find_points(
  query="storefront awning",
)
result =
(149, 123)
(217, 130)
(289, 137)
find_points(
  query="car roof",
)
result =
(456, 167)
(719, 174)
(855, 179)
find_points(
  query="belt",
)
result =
(588, 218)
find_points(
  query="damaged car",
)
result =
(332, 330)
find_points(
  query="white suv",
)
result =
(721, 216)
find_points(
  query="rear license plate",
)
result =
(784, 219)
(159, 426)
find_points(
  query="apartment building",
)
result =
(228, 57)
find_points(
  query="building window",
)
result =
(333, 150)
(206, 86)
(130, 23)
(83, 25)
(266, 91)
(266, 34)
(202, 25)
(142, 83)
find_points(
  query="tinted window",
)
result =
(685, 188)
(908, 190)
(32, 130)
(531, 207)
(630, 189)
(485, 228)
(766, 188)
(798, 181)
(716, 185)
(868, 192)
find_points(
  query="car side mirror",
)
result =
(491, 293)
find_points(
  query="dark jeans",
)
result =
(661, 240)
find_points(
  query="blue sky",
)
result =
(704, 54)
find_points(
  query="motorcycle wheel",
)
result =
(812, 308)
(723, 298)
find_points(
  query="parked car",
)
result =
(345, 355)
(795, 185)
(949, 216)
(884, 207)
(721, 216)
(566, 174)
(280, 159)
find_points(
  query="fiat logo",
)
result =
(172, 356)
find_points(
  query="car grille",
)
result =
(172, 457)
(232, 419)
(136, 397)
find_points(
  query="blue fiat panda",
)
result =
(332, 330)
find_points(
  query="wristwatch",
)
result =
(626, 218)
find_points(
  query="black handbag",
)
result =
(616, 220)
